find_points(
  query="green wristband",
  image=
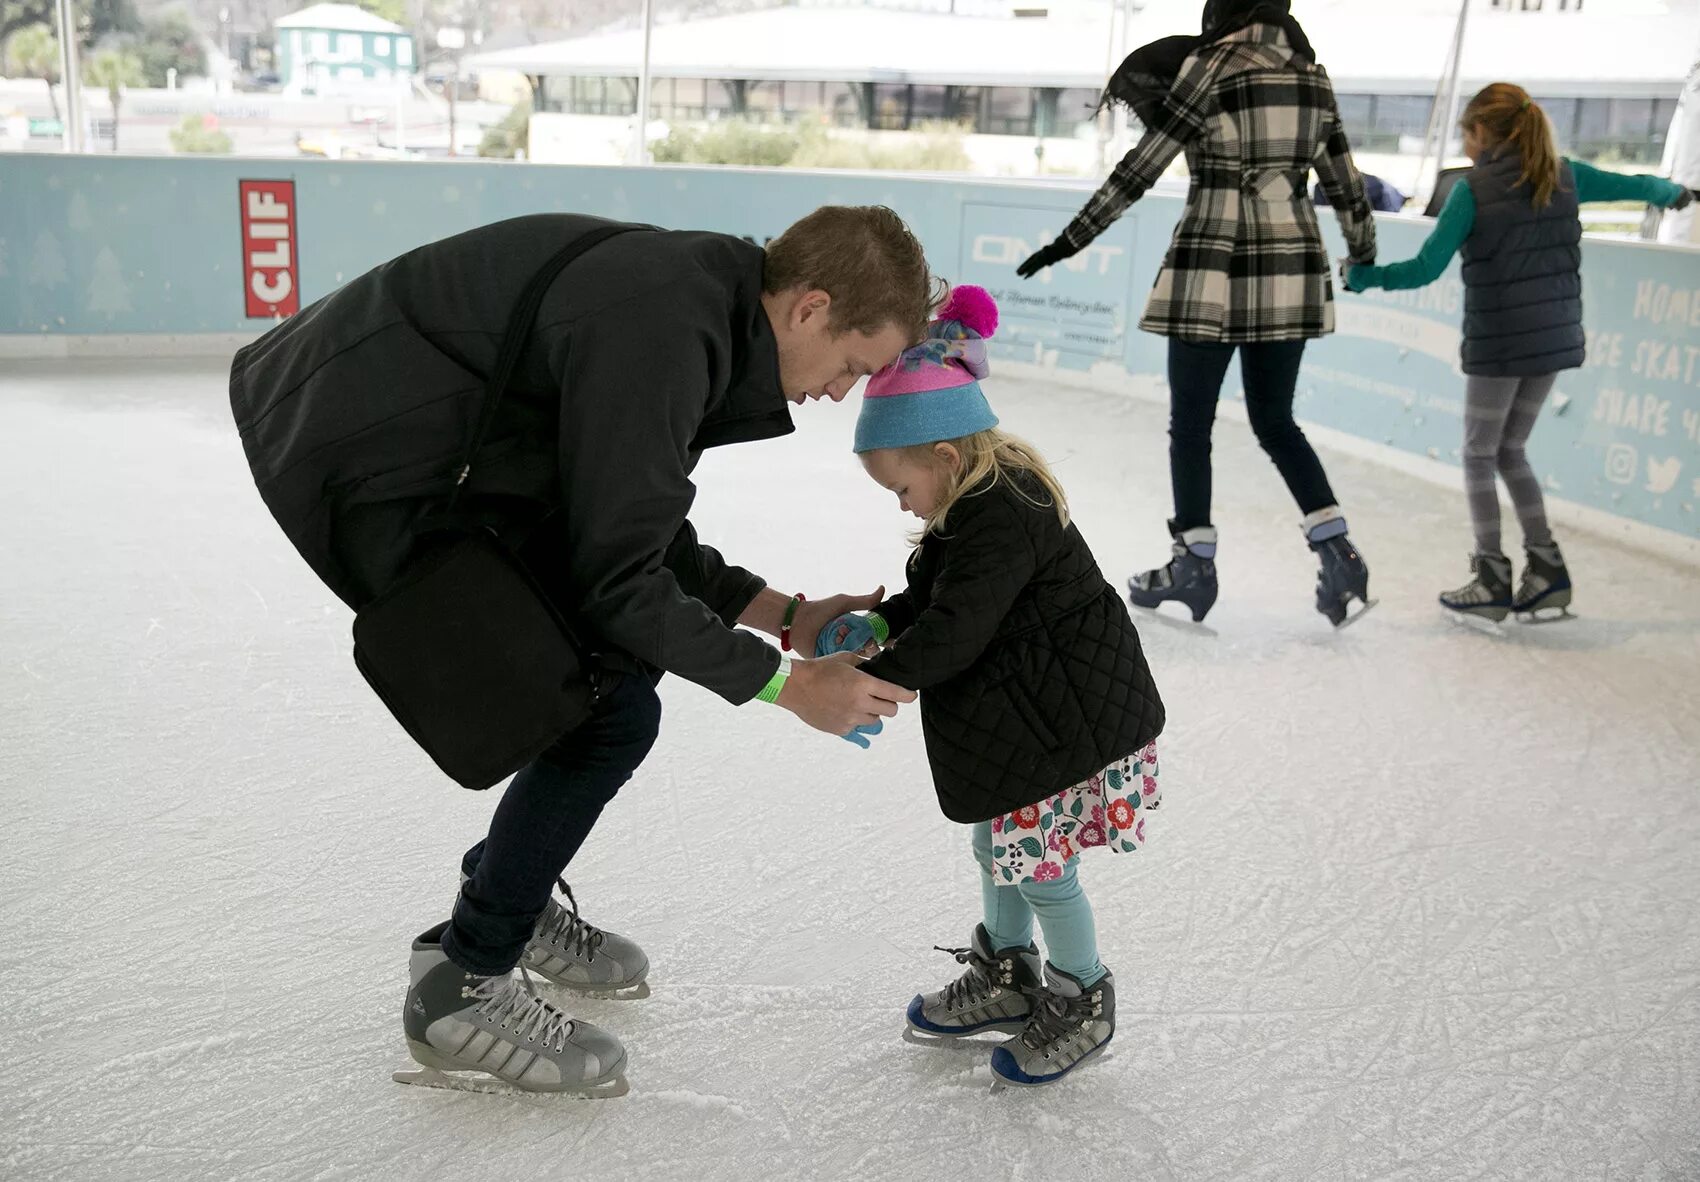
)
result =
(770, 693)
(882, 630)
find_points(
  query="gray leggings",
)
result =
(1499, 413)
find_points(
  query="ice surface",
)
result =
(1420, 903)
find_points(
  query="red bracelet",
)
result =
(790, 616)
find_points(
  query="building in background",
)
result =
(340, 49)
(1609, 72)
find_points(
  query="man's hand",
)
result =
(814, 615)
(832, 695)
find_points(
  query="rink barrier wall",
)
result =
(176, 256)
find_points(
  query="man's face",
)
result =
(816, 363)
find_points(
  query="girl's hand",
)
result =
(813, 616)
(847, 634)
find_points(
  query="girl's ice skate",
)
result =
(494, 1034)
(991, 995)
(1488, 595)
(1543, 594)
(1070, 1024)
(1189, 577)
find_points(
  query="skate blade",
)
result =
(926, 1038)
(1545, 615)
(624, 993)
(489, 1085)
(1189, 625)
(1486, 625)
(1352, 617)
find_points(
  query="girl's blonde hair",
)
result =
(989, 457)
(1507, 115)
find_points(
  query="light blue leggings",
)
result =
(1071, 938)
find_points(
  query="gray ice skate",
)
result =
(989, 996)
(1488, 595)
(1069, 1025)
(494, 1034)
(567, 951)
(1543, 595)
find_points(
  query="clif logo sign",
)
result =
(271, 274)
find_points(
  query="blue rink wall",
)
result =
(93, 246)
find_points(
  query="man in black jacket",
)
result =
(651, 347)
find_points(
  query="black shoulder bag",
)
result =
(466, 649)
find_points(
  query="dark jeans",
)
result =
(1270, 372)
(544, 816)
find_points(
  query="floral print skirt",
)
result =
(1035, 843)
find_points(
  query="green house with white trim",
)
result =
(341, 49)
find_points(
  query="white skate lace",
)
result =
(513, 1004)
(566, 929)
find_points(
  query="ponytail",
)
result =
(1505, 114)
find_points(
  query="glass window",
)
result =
(843, 104)
(321, 44)
(404, 50)
(1357, 113)
(1011, 111)
(381, 46)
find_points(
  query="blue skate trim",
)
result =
(1328, 529)
(1005, 1066)
(919, 1022)
(1202, 549)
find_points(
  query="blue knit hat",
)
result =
(932, 392)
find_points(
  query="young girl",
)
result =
(1038, 709)
(1514, 216)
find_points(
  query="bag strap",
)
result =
(515, 338)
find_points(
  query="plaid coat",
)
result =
(1247, 262)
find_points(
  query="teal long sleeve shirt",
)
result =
(1458, 218)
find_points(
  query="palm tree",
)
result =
(35, 54)
(115, 69)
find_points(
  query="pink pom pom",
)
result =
(972, 307)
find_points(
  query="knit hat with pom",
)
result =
(932, 392)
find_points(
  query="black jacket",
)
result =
(1030, 672)
(648, 349)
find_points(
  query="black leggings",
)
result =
(1271, 372)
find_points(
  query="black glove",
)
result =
(1686, 199)
(1051, 253)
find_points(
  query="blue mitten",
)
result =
(859, 736)
(849, 633)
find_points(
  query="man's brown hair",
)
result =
(866, 259)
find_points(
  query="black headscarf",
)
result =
(1144, 80)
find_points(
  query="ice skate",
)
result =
(1069, 1025)
(1189, 577)
(1543, 594)
(991, 995)
(567, 951)
(1487, 597)
(1343, 577)
(495, 1035)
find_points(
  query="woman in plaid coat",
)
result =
(1247, 269)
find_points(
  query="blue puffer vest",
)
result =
(1522, 275)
